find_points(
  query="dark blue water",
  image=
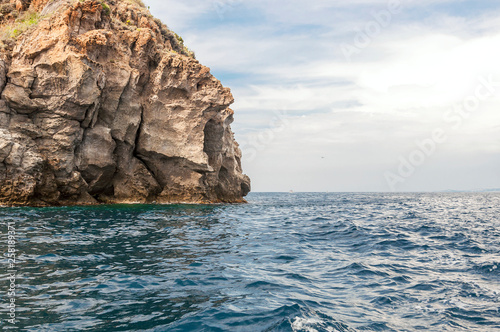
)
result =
(284, 262)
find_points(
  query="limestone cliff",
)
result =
(101, 103)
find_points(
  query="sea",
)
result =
(308, 262)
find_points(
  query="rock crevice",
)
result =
(100, 103)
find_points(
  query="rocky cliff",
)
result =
(102, 103)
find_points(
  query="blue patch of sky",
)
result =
(242, 79)
(464, 9)
(240, 16)
(229, 76)
(229, 16)
(467, 8)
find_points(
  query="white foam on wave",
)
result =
(301, 324)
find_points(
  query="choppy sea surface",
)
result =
(284, 262)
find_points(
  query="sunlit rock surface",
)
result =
(101, 103)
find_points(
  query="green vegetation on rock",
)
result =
(137, 2)
(20, 25)
(106, 8)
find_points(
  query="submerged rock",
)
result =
(101, 103)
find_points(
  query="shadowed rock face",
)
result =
(100, 103)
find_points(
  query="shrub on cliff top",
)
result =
(106, 8)
(20, 25)
(137, 2)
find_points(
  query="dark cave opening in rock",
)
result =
(214, 133)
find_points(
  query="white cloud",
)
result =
(359, 115)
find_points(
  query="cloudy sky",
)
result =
(358, 95)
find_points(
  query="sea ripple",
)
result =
(300, 262)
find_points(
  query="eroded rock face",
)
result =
(99, 104)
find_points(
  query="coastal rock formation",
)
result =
(102, 103)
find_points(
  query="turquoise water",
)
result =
(284, 262)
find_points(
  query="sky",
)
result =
(358, 95)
